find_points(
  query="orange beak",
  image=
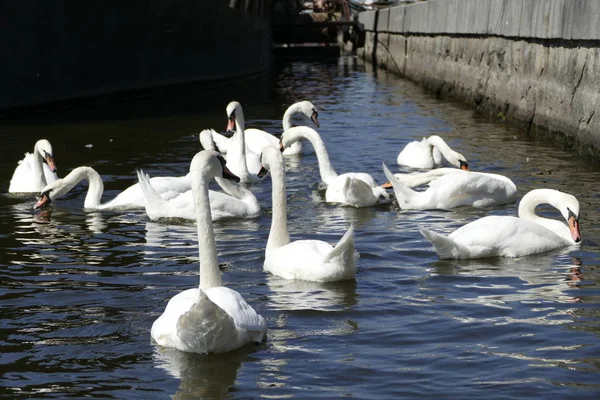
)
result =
(387, 185)
(50, 161)
(231, 124)
(574, 228)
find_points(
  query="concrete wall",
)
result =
(535, 61)
(60, 50)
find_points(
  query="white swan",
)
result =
(35, 170)
(211, 318)
(354, 189)
(506, 236)
(429, 153)
(241, 161)
(309, 260)
(236, 202)
(257, 139)
(450, 188)
(132, 197)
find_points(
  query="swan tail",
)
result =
(205, 328)
(404, 194)
(443, 245)
(344, 254)
(154, 203)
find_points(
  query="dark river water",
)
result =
(80, 290)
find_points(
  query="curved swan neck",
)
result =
(210, 275)
(534, 198)
(279, 234)
(287, 116)
(325, 168)
(95, 185)
(441, 145)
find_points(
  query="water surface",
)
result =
(79, 290)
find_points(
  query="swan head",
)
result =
(210, 164)
(310, 111)
(570, 211)
(44, 147)
(270, 158)
(51, 191)
(234, 113)
(206, 140)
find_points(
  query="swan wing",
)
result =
(351, 191)
(222, 142)
(257, 140)
(193, 323)
(465, 188)
(311, 260)
(343, 254)
(251, 326)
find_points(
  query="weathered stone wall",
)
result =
(535, 61)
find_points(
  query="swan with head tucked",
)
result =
(354, 189)
(430, 153)
(450, 188)
(132, 197)
(35, 170)
(210, 318)
(309, 260)
(241, 161)
(257, 139)
(236, 202)
(505, 236)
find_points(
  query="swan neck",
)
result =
(95, 185)
(279, 234)
(231, 188)
(210, 275)
(38, 168)
(287, 117)
(325, 168)
(241, 143)
(441, 145)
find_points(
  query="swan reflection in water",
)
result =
(540, 279)
(203, 375)
(297, 295)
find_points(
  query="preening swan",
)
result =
(132, 197)
(503, 236)
(309, 260)
(257, 139)
(450, 188)
(236, 202)
(35, 170)
(211, 318)
(429, 153)
(241, 161)
(354, 189)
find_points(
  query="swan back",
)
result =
(567, 204)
